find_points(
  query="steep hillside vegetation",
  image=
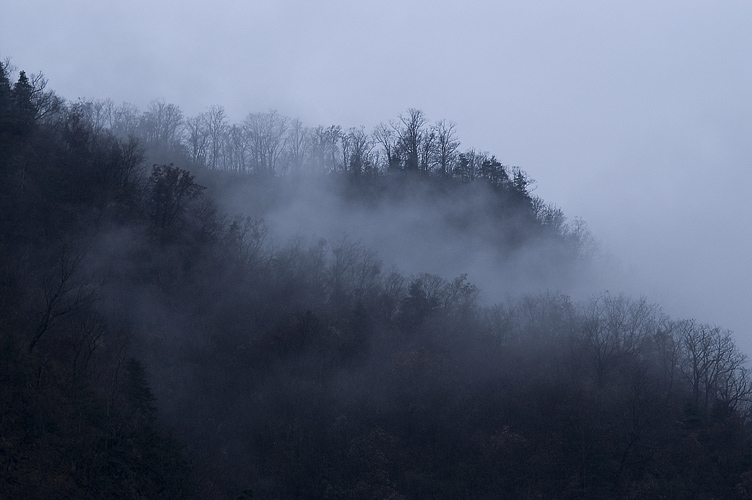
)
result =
(193, 309)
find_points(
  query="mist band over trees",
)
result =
(191, 308)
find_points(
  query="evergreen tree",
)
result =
(5, 100)
(23, 105)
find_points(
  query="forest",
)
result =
(196, 309)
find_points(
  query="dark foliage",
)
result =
(151, 347)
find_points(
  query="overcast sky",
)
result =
(636, 116)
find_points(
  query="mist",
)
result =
(635, 118)
(190, 323)
(419, 229)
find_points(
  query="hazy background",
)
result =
(636, 117)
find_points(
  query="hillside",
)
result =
(196, 309)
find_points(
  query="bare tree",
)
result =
(615, 329)
(446, 145)
(325, 148)
(46, 102)
(265, 133)
(99, 112)
(411, 134)
(713, 366)
(237, 150)
(386, 136)
(162, 123)
(245, 238)
(357, 147)
(125, 119)
(346, 152)
(216, 128)
(353, 269)
(296, 146)
(427, 150)
(65, 291)
(196, 136)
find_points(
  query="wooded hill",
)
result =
(156, 344)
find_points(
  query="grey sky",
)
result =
(636, 116)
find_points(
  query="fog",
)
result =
(635, 117)
(414, 230)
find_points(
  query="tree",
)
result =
(63, 293)
(712, 365)
(469, 165)
(325, 148)
(446, 145)
(140, 408)
(411, 136)
(197, 138)
(125, 120)
(100, 113)
(297, 143)
(162, 123)
(387, 138)
(615, 329)
(5, 96)
(520, 186)
(237, 151)
(46, 103)
(215, 121)
(170, 191)
(494, 172)
(24, 110)
(427, 150)
(244, 240)
(265, 133)
(6, 122)
(357, 147)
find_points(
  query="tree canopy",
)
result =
(155, 345)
